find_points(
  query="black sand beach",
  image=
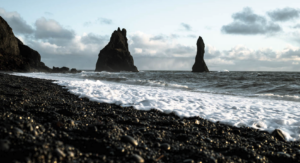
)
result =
(42, 122)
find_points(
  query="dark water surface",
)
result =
(270, 85)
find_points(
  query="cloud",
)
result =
(145, 45)
(162, 37)
(87, 44)
(284, 14)
(164, 63)
(180, 50)
(16, 22)
(186, 26)
(211, 52)
(291, 53)
(245, 59)
(208, 27)
(192, 36)
(158, 37)
(48, 13)
(104, 21)
(51, 29)
(98, 21)
(241, 52)
(88, 23)
(174, 36)
(293, 36)
(296, 26)
(81, 52)
(247, 22)
(94, 39)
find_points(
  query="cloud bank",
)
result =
(51, 29)
(284, 14)
(103, 21)
(16, 22)
(247, 22)
(186, 26)
(248, 59)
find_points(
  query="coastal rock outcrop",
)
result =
(60, 70)
(14, 55)
(115, 56)
(8, 44)
(65, 70)
(200, 65)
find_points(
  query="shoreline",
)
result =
(42, 121)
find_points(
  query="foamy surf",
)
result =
(262, 114)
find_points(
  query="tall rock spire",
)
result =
(200, 65)
(115, 56)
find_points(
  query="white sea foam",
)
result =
(287, 97)
(156, 83)
(224, 70)
(238, 111)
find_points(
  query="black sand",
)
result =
(42, 122)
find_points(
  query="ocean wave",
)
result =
(259, 113)
(283, 97)
(155, 83)
(240, 78)
(130, 78)
(232, 110)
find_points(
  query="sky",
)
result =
(238, 35)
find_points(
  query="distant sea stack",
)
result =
(14, 55)
(200, 65)
(115, 56)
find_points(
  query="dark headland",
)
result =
(42, 122)
(200, 65)
(115, 56)
(15, 56)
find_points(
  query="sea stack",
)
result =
(14, 55)
(115, 56)
(200, 65)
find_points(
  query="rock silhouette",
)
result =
(115, 56)
(65, 70)
(199, 65)
(14, 55)
(60, 70)
(9, 44)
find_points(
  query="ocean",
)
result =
(262, 100)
